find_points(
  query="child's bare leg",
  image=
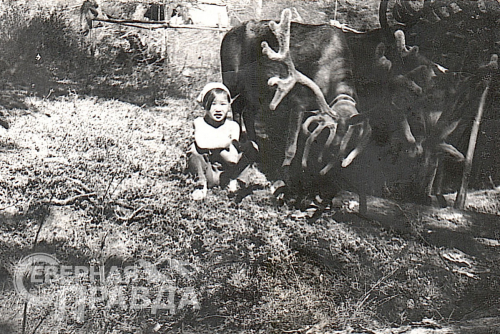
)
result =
(198, 166)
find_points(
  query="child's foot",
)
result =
(239, 189)
(233, 186)
(200, 192)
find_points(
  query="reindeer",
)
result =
(408, 99)
(406, 95)
(452, 101)
(428, 102)
(319, 59)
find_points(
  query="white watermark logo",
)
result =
(28, 267)
(41, 279)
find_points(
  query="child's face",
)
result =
(219, 108)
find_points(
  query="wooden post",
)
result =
(462, 192)
(164, 42)
(93, 44)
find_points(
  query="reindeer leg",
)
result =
(293, 136)
(431, 165)
(416, 148)
(438, 184)
(248, 120)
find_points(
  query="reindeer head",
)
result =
(417, 90)
(413, 75)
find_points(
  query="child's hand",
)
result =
(231, 155)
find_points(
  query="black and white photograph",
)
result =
(250, 166)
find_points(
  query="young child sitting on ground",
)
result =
(217, 157)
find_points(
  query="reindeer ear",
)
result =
(380, 58)
(414, 50)
(234, 98)
(357, 119)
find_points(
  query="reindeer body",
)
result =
(320, 53)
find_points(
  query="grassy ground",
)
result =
(254, 266)
(97, 181)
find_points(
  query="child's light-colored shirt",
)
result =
(208, 137)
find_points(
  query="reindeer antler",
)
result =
(326, 118)
(284, 86)
(404, 51)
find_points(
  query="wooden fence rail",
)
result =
(158, 25)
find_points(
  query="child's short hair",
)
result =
(210, 97)
(208, 93)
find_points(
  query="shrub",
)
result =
(42, 52)
(38, 48)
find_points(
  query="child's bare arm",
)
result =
(231, 154)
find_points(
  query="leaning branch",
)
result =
(69, 200)
(462, 192)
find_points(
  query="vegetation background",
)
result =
(91, 170)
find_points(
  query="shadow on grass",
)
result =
(6, 328)
(438, 227)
